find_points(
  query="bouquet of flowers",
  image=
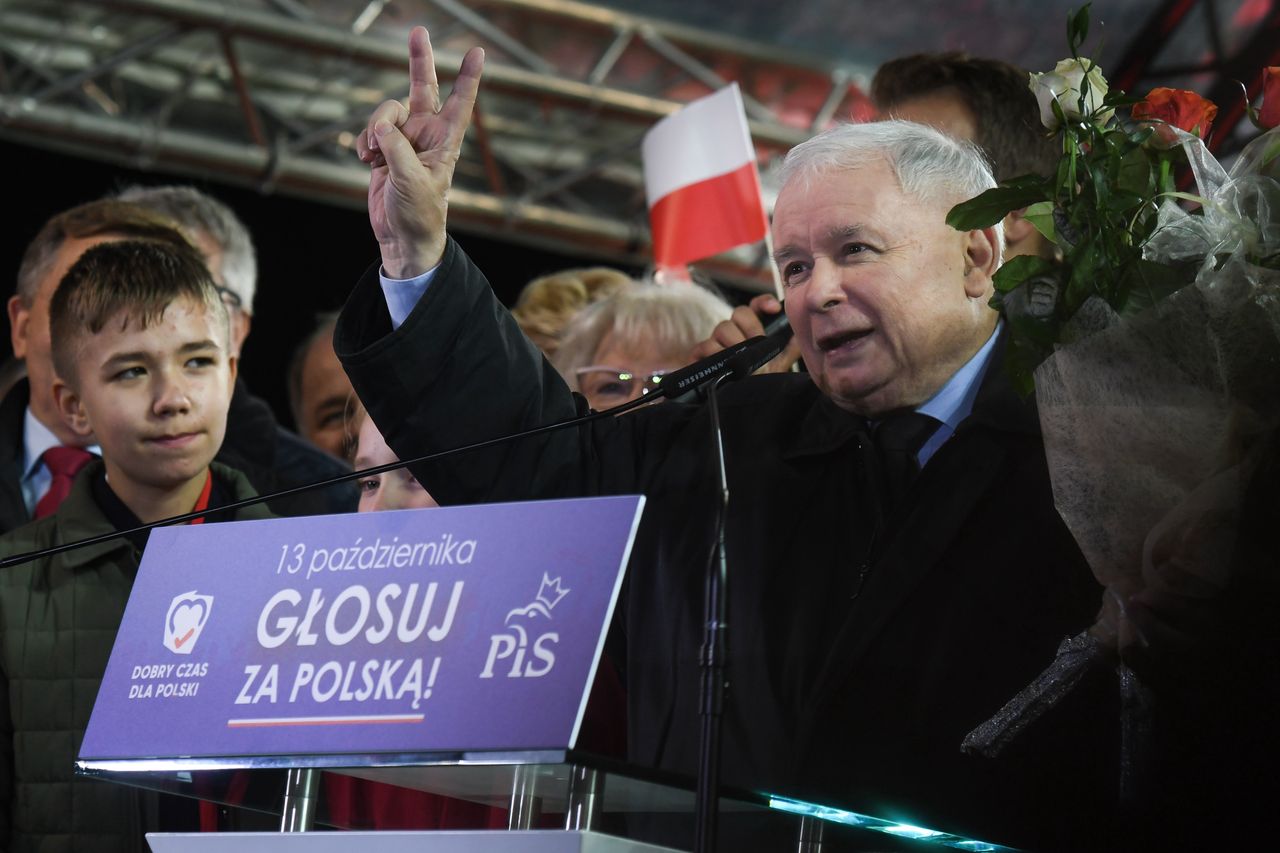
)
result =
(1152, 346)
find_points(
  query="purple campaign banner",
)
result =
(457, 629)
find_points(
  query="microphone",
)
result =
(733, 363)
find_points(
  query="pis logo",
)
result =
(514, 646)
(187, 616)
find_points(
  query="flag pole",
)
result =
(773, 267)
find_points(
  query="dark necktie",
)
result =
(63, 463)
(899, 439)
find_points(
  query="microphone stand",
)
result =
(713, 659)
(18, 559)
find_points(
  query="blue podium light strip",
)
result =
(889, 827)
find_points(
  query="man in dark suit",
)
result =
(30, 425)
(880, 609)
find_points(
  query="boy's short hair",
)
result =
(91, 219)
(141, 278)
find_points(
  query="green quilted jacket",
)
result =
(58, 621)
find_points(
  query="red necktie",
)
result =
(63, 463)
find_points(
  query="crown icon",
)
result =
(550, 593)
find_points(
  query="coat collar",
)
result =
(997, 406)
(825, 428)
(947, 493)
(79, 517)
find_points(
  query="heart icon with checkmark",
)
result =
(187, 616)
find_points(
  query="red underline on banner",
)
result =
(323, 721)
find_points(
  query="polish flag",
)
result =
(701, 181)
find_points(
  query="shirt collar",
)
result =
(36, 439)
(954, 400)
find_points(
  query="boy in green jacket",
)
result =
(140, 347)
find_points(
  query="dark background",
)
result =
(309, 255)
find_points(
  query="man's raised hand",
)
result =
(412, 152)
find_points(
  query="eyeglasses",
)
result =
(230, 298)
(608, 386)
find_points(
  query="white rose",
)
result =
(1062, 84)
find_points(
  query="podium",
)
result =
(449, 652)
(553, 802)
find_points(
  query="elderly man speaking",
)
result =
(898, 567)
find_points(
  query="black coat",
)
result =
(862, 650)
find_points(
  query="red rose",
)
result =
(1269, 115)
(1176, 108)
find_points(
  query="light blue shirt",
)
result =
(403, 293)
(954, 400)
(951, 405)
(36, 439)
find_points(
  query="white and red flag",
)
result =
(701, 181)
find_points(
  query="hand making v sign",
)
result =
(412, 152)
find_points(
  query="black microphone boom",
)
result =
(735, 362)
(17, 559)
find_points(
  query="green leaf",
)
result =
(1078, 27)
(992, 206)
(1140, 134)
(1124, 204)
(1058, 113)
(1024, 181)
(1084, 275)
(1192, 197)
(1119, 98)
(1146, 282)
(1130, 167)
(1030, 343)
(1072, 155)
(1040, 215)
(1135, 174)
(1270, 154)
(1017, 270)
(1101, 184)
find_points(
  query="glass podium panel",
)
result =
(555, 790)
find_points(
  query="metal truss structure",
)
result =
(1215, 47)
(270, 94)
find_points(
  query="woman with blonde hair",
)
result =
(620, 348)
(549, 303)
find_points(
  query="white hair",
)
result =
(929, 165)
(200, 213)
(665, 318)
